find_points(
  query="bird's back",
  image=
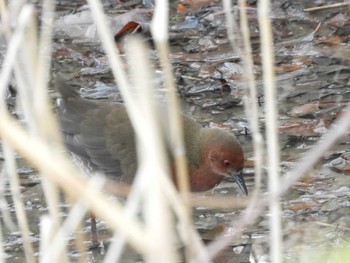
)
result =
(99, 133)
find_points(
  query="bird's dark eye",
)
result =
(226, 163)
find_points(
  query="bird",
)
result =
(101, 135)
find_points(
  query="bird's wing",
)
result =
(99, 133)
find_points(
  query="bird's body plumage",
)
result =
(101, 134)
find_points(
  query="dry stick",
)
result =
(178, 204)
(131, 208)
(231, 26)
(323, 7)
(271, 111)
(2, 253)
(9, 60)
(10, 165)
(160, 35)
(219, 202)
(13, 47)
(3, 202)
(70, 224)
(45, 233)
(251, 104)
(159, 29)
(63, 173)
(195, 200)
(152, 159)
(5, 18)
(38, 110)
(42, 107)
(339, 129)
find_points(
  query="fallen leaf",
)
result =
(182, 9)
(287, 68)
(129, 29)
(304, 127)
(300, 206)
(194, 5)
(331, 40)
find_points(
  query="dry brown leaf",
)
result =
(181, 9)
(188, 6)
(331, 40)
(304, 128)
(300, 206)
(306, 109)
(287, 68)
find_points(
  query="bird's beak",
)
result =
(238, 177)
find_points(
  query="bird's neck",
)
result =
(203, 179)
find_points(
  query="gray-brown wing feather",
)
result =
(99, 133)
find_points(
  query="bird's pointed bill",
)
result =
(238, 177)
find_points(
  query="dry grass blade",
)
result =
(64, 174)
(159, 30)
(251, 103)
(219, 202)
(10, 164)
(272, 143)
(53, 249)
(160, 36)
(339, 130)
(324, 7)
(151, 158)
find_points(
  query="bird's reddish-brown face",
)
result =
(225, 161)
(228, 162)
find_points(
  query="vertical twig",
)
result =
(152, 159)
(42, 108)
(2, 252)
(24, 16)
(271, 112)
(19, 206)
(159, 29)
(32, 72)
(53, 251)
(46, 124)
(251, 103)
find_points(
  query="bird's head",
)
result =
(224, 155)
